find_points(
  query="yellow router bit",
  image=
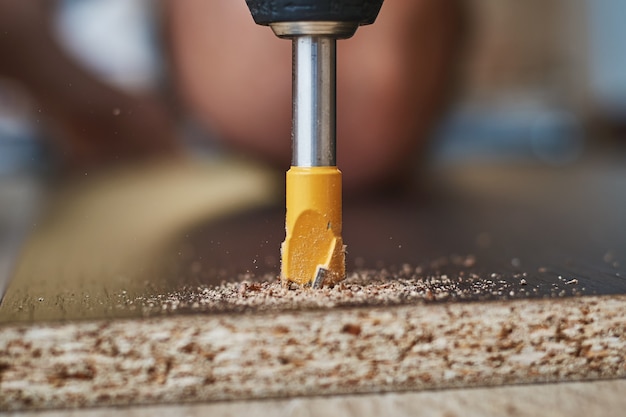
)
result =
(313, 252)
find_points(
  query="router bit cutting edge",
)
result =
(313, 252)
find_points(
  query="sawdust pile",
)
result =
(408, 285)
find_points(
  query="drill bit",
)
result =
(313, 252)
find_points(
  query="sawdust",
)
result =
(384, 287)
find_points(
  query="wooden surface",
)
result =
(328, 351)
(559, 230)
(539, 252)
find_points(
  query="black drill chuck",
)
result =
(266, 12)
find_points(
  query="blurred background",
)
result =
(542, 82)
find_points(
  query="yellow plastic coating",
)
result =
(313, 247)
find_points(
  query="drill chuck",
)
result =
(361, 12)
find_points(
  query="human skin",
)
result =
(392, 81)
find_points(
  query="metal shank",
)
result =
(314, 101)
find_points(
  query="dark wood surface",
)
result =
(536, 223)
(560, 231)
